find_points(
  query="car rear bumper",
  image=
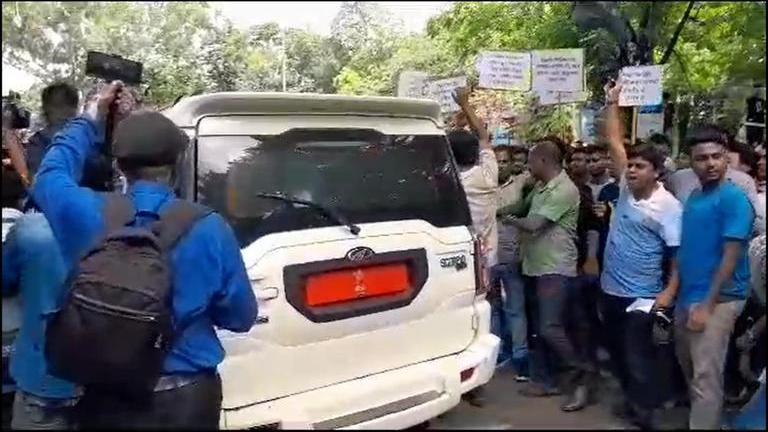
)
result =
(394, 399)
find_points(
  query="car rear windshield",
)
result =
(364, 175)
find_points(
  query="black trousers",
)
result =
(646, 371)
(193, 406)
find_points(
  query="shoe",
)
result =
(577, 401)
(475, 397)
(521, 369)
(622, 411)
(538, 390)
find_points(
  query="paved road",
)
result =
(506, 409)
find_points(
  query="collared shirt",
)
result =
(509, 243)
(32, 262)
(640, 233)
(211, 287)
(552, 250)
(481, 185)
(710, 219)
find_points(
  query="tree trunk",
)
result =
(676, 34)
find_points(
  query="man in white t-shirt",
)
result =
(479, 174)
(645, 232)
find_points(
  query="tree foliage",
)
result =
(186, 48)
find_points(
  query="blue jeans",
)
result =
(508, 320)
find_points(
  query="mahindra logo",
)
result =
(361, 253)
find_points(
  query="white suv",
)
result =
(354, 230)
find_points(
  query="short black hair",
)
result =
(60, 92)
(706, 134)
(659, 139)
(574, 151)
(13, 188)
(517, 149)
(465, 147)
(596, 149)
(649, 153)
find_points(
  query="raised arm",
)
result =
(614, 129)
(461, 96)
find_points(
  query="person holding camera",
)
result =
(14, 120)
(204, 281)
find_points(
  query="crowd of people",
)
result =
(615, 257)
(602, 257)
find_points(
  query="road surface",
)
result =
(506, 409)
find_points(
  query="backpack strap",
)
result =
(176, 221)
(118, 211)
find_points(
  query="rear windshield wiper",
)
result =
(331, 212)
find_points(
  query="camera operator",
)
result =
(14, 119)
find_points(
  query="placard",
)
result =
(442, 92)
(504, 70)
(558, 70)
(413, 84)
(549, 97)
(641, 85)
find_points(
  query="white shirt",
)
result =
(481, 185)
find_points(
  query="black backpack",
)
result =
(115, 327)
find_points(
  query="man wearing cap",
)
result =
(210, 285)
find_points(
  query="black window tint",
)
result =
(367, 176)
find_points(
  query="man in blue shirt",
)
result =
(645, 229)
(714, 274)
(210, 285)
(33, 263)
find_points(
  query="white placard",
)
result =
(641, 85)
(442, 92)
(558, 70)
(549, 97)
(504, 70)
(413, 84)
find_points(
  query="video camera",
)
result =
(17, 117)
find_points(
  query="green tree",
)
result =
(49, 40)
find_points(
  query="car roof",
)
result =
(189, 110)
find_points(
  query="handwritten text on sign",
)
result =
(558, 70)
(641, 85)
(442, 92)
(505, 70)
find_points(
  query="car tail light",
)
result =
(466, 374)
(481, 270)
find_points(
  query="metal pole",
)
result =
(634, 124)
